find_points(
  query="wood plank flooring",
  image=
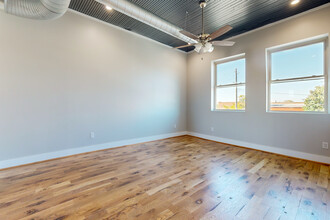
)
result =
(176, 178)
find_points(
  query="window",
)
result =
(228, 84)
(297, 78)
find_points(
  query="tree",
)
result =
(241, 102)
(229, 107)
(315, 100)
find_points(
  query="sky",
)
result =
(298, 62)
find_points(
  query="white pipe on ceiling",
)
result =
(36, 9)
(1, 4)
(146, 17)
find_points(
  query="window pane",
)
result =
(298, 62)
(226, 72)
(226, 98)
(298, 96)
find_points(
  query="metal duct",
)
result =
(146, 17)
(37, 9)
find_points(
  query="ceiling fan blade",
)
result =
(188, 34)
(188, 45)
(220, 32)
(223, 43)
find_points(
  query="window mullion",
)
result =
(230, 85)
(308, 78)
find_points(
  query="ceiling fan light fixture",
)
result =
(208, 47)
(198, 47)
(203, 50)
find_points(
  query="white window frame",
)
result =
(318, 39)
(214, 85)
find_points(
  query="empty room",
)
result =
(164, 109)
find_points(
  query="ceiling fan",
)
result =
(205, 41)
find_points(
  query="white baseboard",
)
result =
(73, 151)
(79, 150)
(286, 152)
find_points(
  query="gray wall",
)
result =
(62, 79)
(301, 132)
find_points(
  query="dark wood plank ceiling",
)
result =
(243, 15)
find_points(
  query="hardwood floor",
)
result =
(177, 178)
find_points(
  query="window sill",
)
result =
(293, 112)
(225, 110)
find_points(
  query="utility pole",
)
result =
(236, 88)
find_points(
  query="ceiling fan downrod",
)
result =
(202, 4)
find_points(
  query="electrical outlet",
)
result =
(212, 129)
(325, 145)
(92, 135)
(174, 125)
